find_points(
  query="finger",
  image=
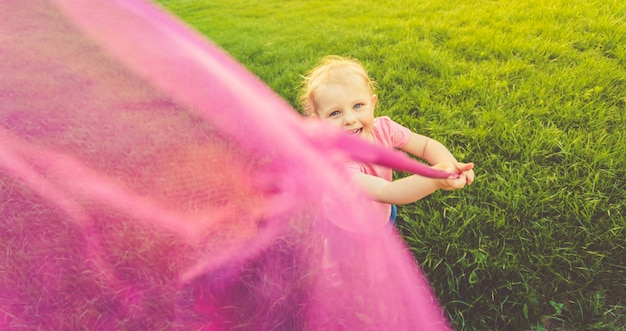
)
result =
(463, 167)
(457, 183)
(463, 180)
(470, 177)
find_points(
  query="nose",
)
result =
(349, 118)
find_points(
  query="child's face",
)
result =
(349, 107)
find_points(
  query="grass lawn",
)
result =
(532, 91)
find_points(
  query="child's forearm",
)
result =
(408, 189)
(428, 149)
(435, 152)
(401, 191)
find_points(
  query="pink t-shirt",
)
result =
(388, 134)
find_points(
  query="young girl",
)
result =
(340, 92)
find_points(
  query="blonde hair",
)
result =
(331, 68)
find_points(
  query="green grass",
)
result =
(533, 92)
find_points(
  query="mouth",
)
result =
(356, 132)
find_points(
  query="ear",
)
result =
(312, 117)
(374, 99)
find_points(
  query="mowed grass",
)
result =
(533, 92)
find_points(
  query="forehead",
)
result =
(339, 94)
(338, 82)
(342, 90)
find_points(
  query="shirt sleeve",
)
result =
(394, 134)
(354, 167)
(388, 134)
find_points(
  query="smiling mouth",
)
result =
(357, 131)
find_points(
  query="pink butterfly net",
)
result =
(149, 182)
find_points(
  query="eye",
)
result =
(357, 106)
(334, 114)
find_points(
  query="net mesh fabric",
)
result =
(149, 182)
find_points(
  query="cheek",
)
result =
(335, 122)
(367, 117)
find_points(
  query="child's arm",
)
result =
(435, 153)
(412, 188)
(401, 191)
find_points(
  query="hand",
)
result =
(465, 171)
